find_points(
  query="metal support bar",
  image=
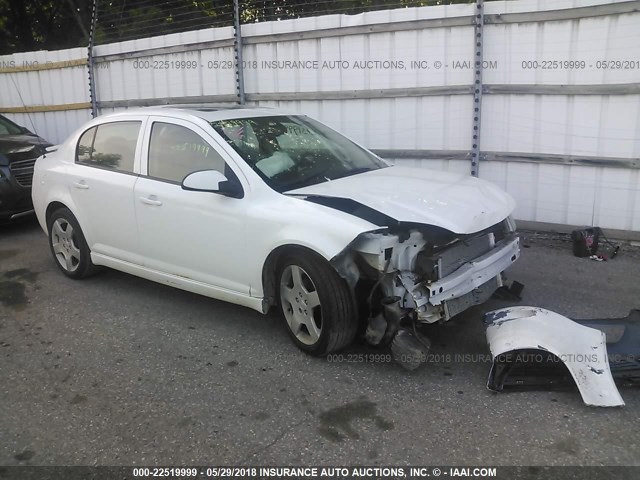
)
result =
(559, 159)
(65, 107)
(237, 46)
(77, 62)
(92, 91)
(560, 89)
(396, 154)
(360, 94)
(575, 13)
(477, 87)
(170, 50)
(510, 157)
(488, 89)
(150, 102)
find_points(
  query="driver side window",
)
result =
(176, 151)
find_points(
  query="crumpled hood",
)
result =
(459, 203)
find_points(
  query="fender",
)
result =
(290, 221)
(583, 350)
(57, 192)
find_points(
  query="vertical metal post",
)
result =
(92, 91)
(477, 87)
(237, 47)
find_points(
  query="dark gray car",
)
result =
(19, 149)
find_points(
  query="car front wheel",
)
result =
(68, 245)
(317, 304)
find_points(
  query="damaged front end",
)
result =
(415, 274)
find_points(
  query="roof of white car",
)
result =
(208, 112)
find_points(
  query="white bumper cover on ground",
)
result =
(582, 349)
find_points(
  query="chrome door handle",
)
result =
(81, 185)
(151, 201)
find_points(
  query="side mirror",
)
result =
(212, 181)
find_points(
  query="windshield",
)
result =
(7, 127)
(291, 152)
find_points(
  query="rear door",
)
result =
(101, 184)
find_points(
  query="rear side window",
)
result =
(110, 145)
(83, 152)
(176, 151)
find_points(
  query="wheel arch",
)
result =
(272, 265)
(49, 201)
(52, 207)
(76, 246)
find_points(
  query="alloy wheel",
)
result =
(301, 304)
(64, 245)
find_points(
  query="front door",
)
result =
(195, 235)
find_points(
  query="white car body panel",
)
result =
(293, 221)
(456, 202)
(114, 232)
(189, 234)
(582, 349)
(216, 245)
(195, 242)
(182, 283)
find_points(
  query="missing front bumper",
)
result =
(476, 273)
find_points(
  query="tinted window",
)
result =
(83, 153)
(110, 145)
(175, 152)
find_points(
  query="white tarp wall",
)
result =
(52, 85)
(560, 116)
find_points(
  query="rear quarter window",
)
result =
(111, 146)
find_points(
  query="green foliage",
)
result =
(27, 25)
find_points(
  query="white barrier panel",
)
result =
(563, 83)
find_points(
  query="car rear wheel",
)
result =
(68, 245)
(317, 304)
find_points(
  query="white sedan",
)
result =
(262, 208)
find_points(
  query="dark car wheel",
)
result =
(68, 245)
(317, 304)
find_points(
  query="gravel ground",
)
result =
(116, 370)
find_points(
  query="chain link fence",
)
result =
(120, 20)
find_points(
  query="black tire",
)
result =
(338, 310)
(81, 267)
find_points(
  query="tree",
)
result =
(27, 25)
